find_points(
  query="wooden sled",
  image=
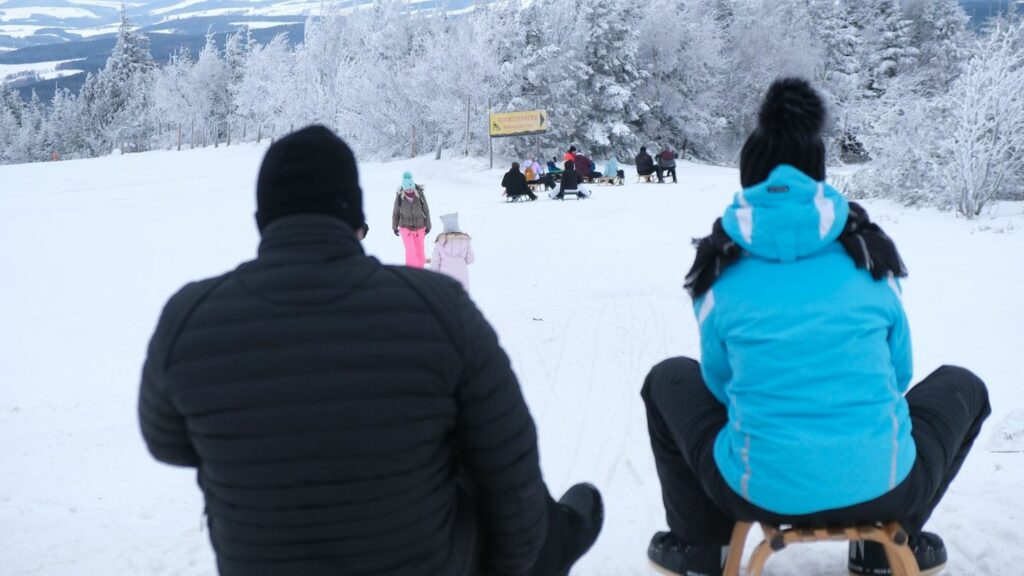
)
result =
(648, 178)
(890, 535)
(610, 181)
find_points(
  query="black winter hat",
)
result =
(788, 132)
(311, 171)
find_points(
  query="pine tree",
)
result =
(885, 39)
(32, 143)
(117, 98)
(541, 74)
(613, 79)
(11, 110)
(939, 32)
(65, 125)
(839, 69)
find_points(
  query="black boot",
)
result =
(868, 558)
(674, 558)
(585, 509)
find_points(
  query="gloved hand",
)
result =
(428, 230)
(396, 231)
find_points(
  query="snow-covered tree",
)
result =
(839, 70)
(209, 80)
(66, 125)
(986, 110)
(612, 85)
(543, 68)
(116, 99)
(173, 94)
(939, 32)
(682, 49)
(11, 111)
(264, 95)
(33, 142)
(766, 40)
(885, 40)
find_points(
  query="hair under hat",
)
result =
(788, 131)
(310, 171)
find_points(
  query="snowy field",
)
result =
(585, 297)
(46, 70)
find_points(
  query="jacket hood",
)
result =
(788, 216)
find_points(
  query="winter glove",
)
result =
(396, 231)
(428, 230)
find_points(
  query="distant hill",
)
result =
(36, 22)
(51, 31)
(91, 55)
(981, 10)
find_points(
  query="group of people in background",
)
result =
(453, 252)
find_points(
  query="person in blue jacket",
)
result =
(798, 412)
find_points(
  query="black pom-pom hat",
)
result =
(788, 131)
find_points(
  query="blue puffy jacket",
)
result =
(810, 355)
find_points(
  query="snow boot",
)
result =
(868, 558)
(585, 510)
(671, 557)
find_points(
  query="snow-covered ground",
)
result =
(586, 296)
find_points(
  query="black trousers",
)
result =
(946, 410)
(561, 548)
(670, 171)
(547, 180)
(657, 170)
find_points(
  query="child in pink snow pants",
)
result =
(410, 219)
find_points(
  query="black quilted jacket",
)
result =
(332, 405)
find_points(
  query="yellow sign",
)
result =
(519, 123)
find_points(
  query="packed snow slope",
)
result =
(586, 296)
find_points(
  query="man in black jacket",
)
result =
(346, 417)
(514, 183)
(645, 165)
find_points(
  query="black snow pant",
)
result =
(559, 552)
(547, 180)
(946, 410)
(657, 170)
(670, 171)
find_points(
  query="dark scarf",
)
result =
(869, 246)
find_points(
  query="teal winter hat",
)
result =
(407, 182)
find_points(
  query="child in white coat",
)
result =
(453, 251)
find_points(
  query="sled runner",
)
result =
(580, 194)
(516, 197)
